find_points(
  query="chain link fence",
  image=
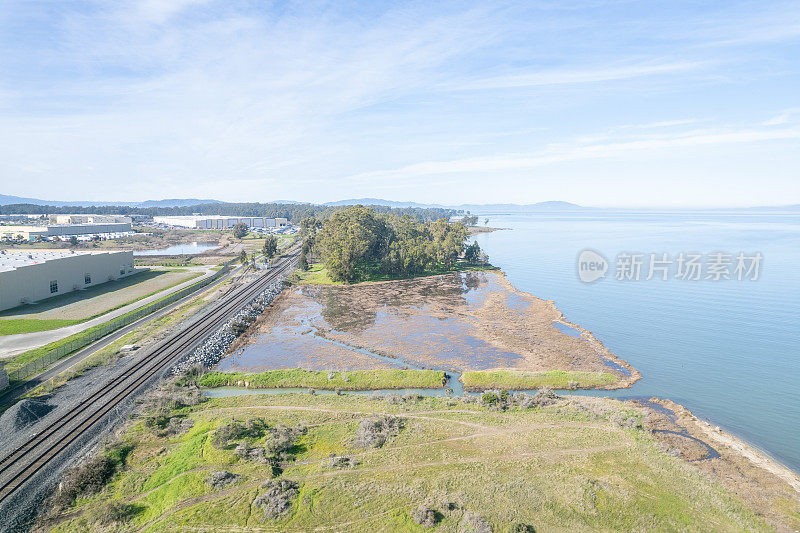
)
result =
(91, 335)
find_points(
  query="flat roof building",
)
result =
(27, 277)
(31, 233)
(89, 219)
(220, 222)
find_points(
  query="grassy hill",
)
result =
(444, 465)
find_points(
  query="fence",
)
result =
(92, 334)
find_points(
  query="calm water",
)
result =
(179, 249)
(727, 350)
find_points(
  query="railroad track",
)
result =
(28, 459)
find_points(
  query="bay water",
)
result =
(728, 350)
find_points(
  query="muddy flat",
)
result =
(463, 321)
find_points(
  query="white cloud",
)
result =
(583, 75)
(564, 153)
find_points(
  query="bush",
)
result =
(114, 512)
(425, 516)
(178, 426)
(282, 441)
(278, 498)
(630, 422)
(490, 399)
(226, 434)
(337, 461)
(543, 397)
(90, 477)
(160, 404)
(221, 479)
(520, 528)
(473, 523)
(375, 431)
(247, 453)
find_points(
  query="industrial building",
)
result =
(220, 222)
(26, 277)
(89, 219)
(65, 231)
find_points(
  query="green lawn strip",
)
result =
(317, 274)
(24, 358)
(349, 380)
(521, 380)
(13, 326)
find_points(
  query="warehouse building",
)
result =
(65, 231)
(27, 277)
(221, 222)
(89, 219)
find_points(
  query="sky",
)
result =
(602, 103)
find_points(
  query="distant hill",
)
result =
(519, 208)
(462, 207)
(378, 201)
(173, 202)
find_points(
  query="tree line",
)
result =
(292, 212)
(357, 243)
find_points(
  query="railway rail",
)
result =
(28, 459)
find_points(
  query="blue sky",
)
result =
(608, 103)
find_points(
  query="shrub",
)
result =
(544, 396)
(247, 453)
(178, 426)
(520, 528)
(375, 431)
(425, 516)
(337, 461)
(630, 422)
(278, 498)
(221, 479)
(160, 404)
(235, 430)
(282, 441)
(490, 399)
(473, 523)
(114, 512)
(191, 376)
(90, 477)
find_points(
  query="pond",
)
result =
(191, 248)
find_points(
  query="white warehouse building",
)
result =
(26, 277)
(220, 222)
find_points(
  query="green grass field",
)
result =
(348, 380)
(565, 467)
(520, 380)
(13, 326)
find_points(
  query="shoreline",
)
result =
(733, 443)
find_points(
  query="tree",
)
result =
(73, 240)
(240, 230)
(302, 261)
(270, 247)
(486, 222)
(243, 257)
(472, 253)
(349, 240)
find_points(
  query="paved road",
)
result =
(11, 345)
